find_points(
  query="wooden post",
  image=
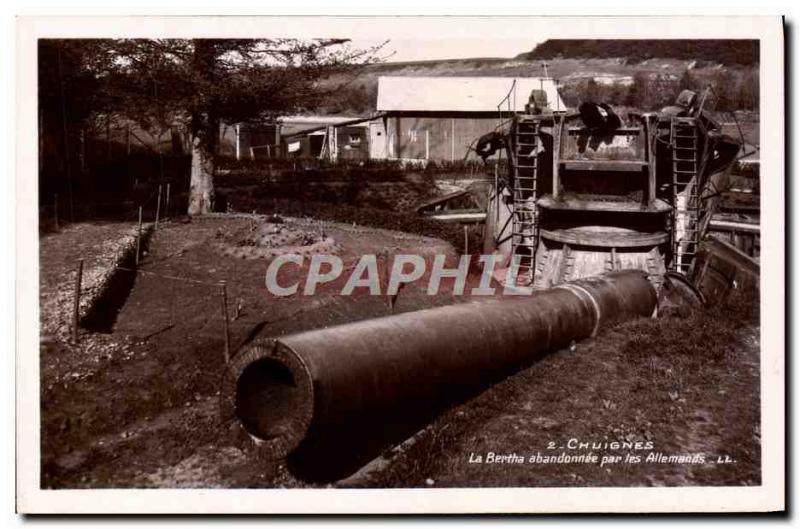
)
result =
(558, 125)
(466, 240)
(166, 203)
(453, 139)
(335, 153)
(82, 150)
(76, 302)
(158, 205)
(496, 197)
(238, 142)
(128, 139)
(224, 291)
(389, 147)
(139, 237)
(651, 131)
(427, 145)
(398, 148)
(55, 211)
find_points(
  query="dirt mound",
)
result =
(362, 216)
(265, 240)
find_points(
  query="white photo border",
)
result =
(769, 496)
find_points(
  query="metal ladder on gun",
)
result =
(525, 230)
(685, 199)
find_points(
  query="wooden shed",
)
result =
(439, 118)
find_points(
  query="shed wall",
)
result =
(435, 138)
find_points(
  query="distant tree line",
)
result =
(351, 99)
(728, 52)
(730, 90)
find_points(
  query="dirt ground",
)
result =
(136, 404)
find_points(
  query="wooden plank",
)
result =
(621, 131)
(452, 139)
(459, 217)
(730, 254)
(440, 200)
(741, 227)
(557, 134)
(650, 134)
(605, 239)
(605, 165)
(571, 204)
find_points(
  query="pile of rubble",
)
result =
(266, 239)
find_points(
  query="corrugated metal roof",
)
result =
(461, 94)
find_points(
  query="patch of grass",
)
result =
(703, 334)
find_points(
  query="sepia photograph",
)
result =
(402, 260)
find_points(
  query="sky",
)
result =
(401, 50)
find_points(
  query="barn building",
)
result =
(299, 137)
(439, 118)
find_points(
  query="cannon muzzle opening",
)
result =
(270, 396)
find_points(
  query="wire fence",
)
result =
(221, 285)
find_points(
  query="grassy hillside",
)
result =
(726, 52)
(644, 82)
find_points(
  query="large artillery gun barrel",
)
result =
(277, 392)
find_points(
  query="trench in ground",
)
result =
(102, 314)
